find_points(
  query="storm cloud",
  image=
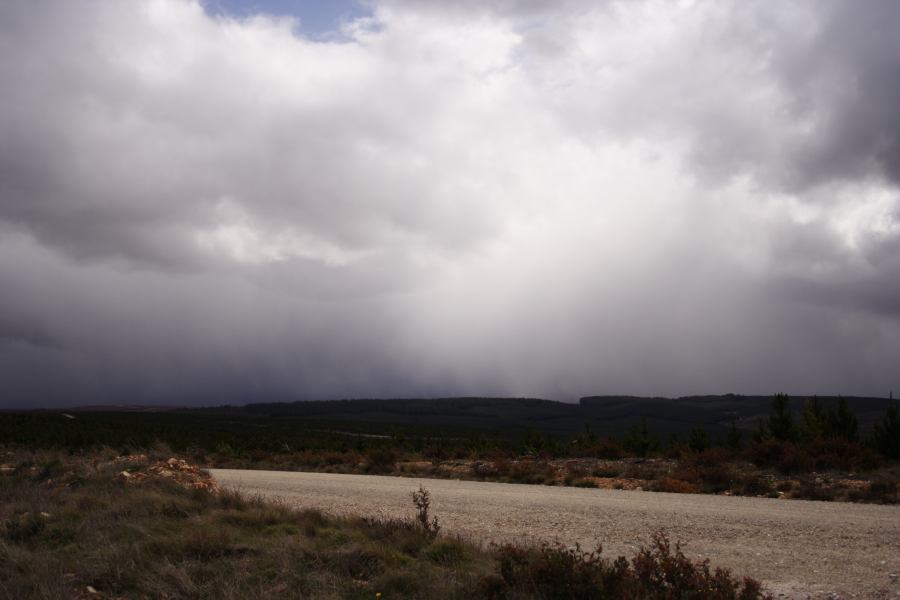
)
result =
(518, 198)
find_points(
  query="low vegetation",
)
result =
(73, 526)
(658, 571)
(810, 450)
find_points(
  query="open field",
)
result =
(797, 547)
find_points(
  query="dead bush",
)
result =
(381, 460)
(658, 572)
(675, 486)
(810, 489)
(534, 472)
(838, 453)
(751, 485)
(784, 456)
(883, 491)
(607, 448)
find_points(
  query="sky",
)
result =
(317, 19)
(227, 202)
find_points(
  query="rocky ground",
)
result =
(138, 469)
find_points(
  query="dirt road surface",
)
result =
(801, 549)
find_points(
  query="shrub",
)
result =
(203, 545)
(584, 483)
(436, 454)
(677, 450)
(795, 460)
(20, 528)
(576, 476)
(406, 535)
(657, 572)
(810, 489)
(486, 470)
(662, 573)
(884, 491)
(608, 470)
(784, 456)
(712, 478)
(839, 453)
(536, 472)
(381, 460)
(648, 471)
(709, 457)
(422, 500)
(716, 478)
(607, 447)
(356, 563)
(675, 486)
(752, 485)
(447, 552)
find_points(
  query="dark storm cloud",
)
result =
(454, 198)
(849, 75)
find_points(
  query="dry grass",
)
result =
(68, 525)
(72, 527)
(831, 469)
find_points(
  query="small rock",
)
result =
(91, 590)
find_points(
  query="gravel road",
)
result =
(799, 548)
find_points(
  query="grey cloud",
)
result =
(798, 95)
(115, 150)
(456, 198)
(848, 76)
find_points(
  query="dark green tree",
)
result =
(841, 422)
(674, 440)
(586, 438)
(698, 441)
(533, 442)
(733, 437)
(762, 432)
(639, 441)
(814, 420)
(886, 433)
(781, 419)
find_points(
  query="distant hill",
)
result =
(603, 414)
(716, 413)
